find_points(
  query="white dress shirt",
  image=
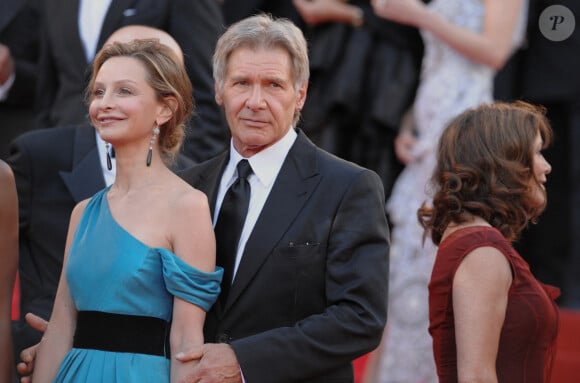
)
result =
(265, 166)
(91, 17)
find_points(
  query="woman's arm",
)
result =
(492, 47)
(316, 12)
(196, 248)
(58, 338)
(9, 254)
(480, 296)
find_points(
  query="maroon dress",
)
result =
(528, 337)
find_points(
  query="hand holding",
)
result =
(218, 363)
(404, 144)
(28, 355)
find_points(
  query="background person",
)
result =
(544, 73)
(466, 42)
(19, 52)
(490, 319)
(74, 30)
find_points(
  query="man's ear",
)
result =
(301, 98)
(218, 95)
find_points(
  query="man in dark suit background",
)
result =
(309, 292)
(55, 169)
(73, 31)
(19, 49)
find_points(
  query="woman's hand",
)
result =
(404, 144)
(316, 12)
(28, 355)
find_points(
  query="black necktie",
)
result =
(230, 223)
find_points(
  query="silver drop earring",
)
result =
(151, 142)
(109, 162)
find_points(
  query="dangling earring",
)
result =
(151, 142)
(109, 162)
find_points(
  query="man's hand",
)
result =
(218, 363)
(26, 366)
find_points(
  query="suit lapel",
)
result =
(9, 9)
(113, 19)
(67, 27)
(207, 177)
(294, 185)
(86, 177)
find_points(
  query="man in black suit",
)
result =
(69, 44)
(55, 169)
(309, 292)
(19, 49)
(309, 288)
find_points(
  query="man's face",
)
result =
(259, 98)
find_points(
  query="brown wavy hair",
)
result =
(166, 75)
(484, 166)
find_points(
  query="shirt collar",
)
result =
(267, 163)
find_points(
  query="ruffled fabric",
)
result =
(188, 283)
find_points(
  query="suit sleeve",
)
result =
(356, 285)
(197, 25)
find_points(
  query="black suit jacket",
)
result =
(310, 293)
(196, 25)
(54, 170)
(19, 32)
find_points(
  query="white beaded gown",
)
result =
(450, 83)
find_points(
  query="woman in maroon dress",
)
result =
(490, 319)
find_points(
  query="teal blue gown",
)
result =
(111, 271)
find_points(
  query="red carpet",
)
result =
(567, 363)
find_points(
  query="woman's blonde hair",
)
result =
(168, 78)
